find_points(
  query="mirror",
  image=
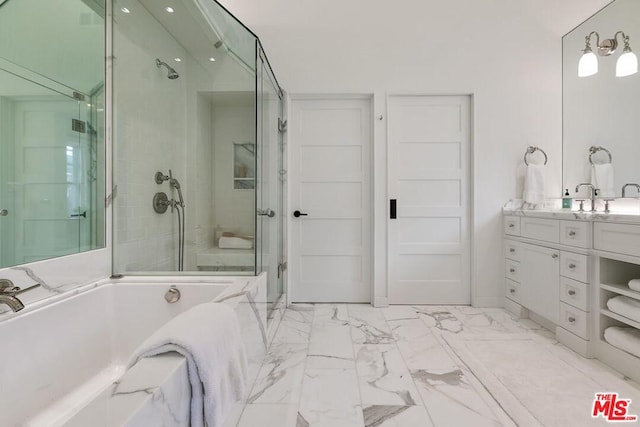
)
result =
(601, 110)
(52, 145)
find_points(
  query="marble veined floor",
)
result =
(349, 365)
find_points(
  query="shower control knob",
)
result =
(298, 214)
(4, 212)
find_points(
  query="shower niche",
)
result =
(194, 93)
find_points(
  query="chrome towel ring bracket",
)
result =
(530, 150)
(593, 150)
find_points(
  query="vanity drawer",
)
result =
(620, 238)
(512, 225)
(547, 230)
(574, 293)
(574, 266)
(512, 270)
(575, 233)
(574, 320)
(512, 250)
(513, 291)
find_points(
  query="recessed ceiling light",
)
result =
(177, 59)
(169, 9)
(212, 59)
(125, 10)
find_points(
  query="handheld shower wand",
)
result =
(173, 182)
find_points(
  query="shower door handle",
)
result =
(298, 214)
(267, 212)
(83, 214)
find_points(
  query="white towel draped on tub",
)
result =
(625, 306)
(634, 285)
(534, 184)
(627, 339)
(602, 179)
(208, 336)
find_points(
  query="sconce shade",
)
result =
(627, 64)
(588, 64)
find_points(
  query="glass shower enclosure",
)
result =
(198, 150)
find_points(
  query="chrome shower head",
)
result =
(171, 73)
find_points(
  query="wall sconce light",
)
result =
(627, 62)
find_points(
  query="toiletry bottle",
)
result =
(566, 200)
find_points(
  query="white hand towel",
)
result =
(625, 306)
(602, 179)
(627, 339)
(634, 285)
(534, 184)
(208, 336)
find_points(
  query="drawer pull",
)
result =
(554, 256)
(571, 319)
(511, 225)
(571, 292)
(512, 250)
(512, 270)
(572, 266)
(572, 233)
(513, 291)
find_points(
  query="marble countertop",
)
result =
(552, 210)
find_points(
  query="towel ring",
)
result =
(593, 150)
(530, 150)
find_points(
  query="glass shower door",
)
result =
(269, 195)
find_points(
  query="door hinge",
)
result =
(282, 125)
(78, 96)
(78, 126)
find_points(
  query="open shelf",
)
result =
(620, 318)
(621, 289)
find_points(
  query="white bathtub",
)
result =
(58, 362)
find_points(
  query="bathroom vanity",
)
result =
(561, 268)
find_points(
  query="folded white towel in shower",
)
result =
(626, 339)
(534, 184)
(634, 285)
(625, 306)
(602, 179)
(208, 336)
(234, 242)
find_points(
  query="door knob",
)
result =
(298, 214)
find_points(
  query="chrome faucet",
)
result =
(592, 194)
(8, 295)
(624, 188)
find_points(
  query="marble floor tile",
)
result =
(399, 312)
(330, 347)
(425, 352)
(270, 415)
(280, 377)
(370, 327)
(396, 416)
(330, 397)
(331, 314)
(355, 365)
(440, 317)
(383, 376)
(295, 327)
(451, 400)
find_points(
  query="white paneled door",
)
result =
(428, 155)
(330, 146)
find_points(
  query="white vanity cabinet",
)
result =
(547, 272)
(561, 268)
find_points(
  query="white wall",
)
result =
(506, 53)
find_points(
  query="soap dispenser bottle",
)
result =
(566, 200)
